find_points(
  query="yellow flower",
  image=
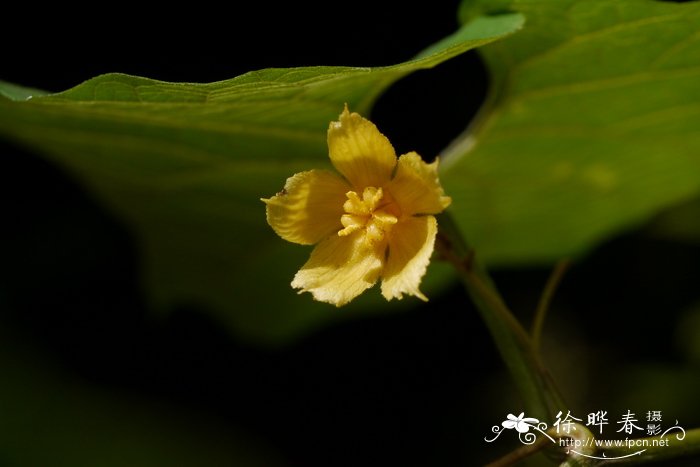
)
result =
(373, 222)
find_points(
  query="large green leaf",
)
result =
(186, 164)
(592, 126)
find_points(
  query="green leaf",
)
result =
(185, 165)
(19, 93)
(592, 127)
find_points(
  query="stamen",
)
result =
(374, 212)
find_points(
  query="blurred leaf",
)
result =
(186, 164)
(592, 126)
(19, 93)
(50, 418)
(681, 222)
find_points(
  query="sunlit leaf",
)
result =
(592, 126)
(185, 166)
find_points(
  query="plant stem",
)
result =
(520, 353)
(541, 398)
(524, 451)
(543, 305)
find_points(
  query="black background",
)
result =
(417, 389)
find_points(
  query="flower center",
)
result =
(375, 212)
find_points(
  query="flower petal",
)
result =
(509, 424)
(410, 246)
(416, 186)
(363, 155)
(309, 207)
(340, 269)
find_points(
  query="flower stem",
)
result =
(520, 352)
(515, 345)
(546, 298)
(524, 451)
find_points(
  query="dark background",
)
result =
(421, 388)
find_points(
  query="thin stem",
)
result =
(495, 302)
(524, 451)
(543, 306)
(540, 395)
(521, 356)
